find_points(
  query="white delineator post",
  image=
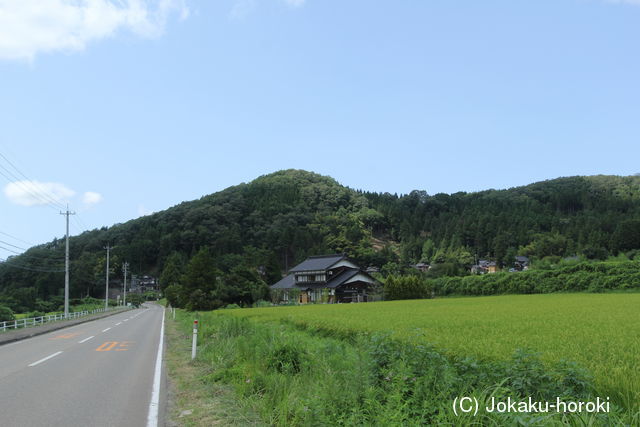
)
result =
(195, 339)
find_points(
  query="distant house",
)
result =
(484, 266)
(521, 263)
(332, 278)
(142, 284)
(492, 267)
(476, 269)
(421, 266)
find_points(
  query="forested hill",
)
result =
(595, 216)
(276, 220)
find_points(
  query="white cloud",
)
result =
(30, 27)
(32, 193)
(91, 198)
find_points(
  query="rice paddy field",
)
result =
(600, 332)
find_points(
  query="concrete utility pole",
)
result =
(66, 265)
(106, 289)
(125, 268)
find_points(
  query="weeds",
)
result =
(295, 377)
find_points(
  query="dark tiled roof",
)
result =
(287, 282)
(343, 277)
(316, 263)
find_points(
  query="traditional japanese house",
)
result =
(327, 278)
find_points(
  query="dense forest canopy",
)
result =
(252, 233)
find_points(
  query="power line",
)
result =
(22, 254)
(81, 222)
(39, 191)
(16, 238)
(28, 190)
(10, 263)
(10, 250)
(13, 246)
(32, 190)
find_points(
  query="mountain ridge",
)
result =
(280, 218)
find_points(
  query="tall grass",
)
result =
(598, 331)
(298, 377)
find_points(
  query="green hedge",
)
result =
(583, 277)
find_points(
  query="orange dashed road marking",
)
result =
(114, 345)
(123, 346)
(107, 346)
(65, 336)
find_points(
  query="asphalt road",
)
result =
(99, 373)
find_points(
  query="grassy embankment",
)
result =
(192, 400)
(73, 308)
(375, 363)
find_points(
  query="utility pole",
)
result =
(106, 289)
(125, 268)
(66, 265)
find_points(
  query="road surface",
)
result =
(99, 373)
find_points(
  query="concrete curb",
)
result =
(24, 333)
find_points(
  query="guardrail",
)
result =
(41, 320)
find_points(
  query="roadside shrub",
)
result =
(299, 377)
(6, 314)
(231, 306)
(286, 358)
(406, 287)
(35, 314)
(135, 300)
(262, 303)
(580, 277)
(45, 306)
(173, 293)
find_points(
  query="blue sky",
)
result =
(144, 104)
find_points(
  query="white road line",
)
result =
(105, 330)
(86, 339)
(154, 405)
(45, 359)
(119, 323)
(125, 320)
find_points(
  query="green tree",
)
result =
(174, 295)
(6, 314)
(136, 300)
(428, 250)
(627, 236)
(406, 287)
(173, 270)
(201, 281)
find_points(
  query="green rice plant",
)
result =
(295, 377)
(599, 332)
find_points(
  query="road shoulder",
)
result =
(191, 401)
